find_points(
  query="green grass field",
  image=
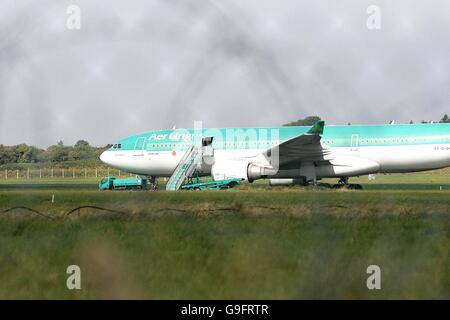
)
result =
(247, 243)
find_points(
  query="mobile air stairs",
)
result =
(184, 169)
(192, 158)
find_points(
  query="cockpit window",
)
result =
(117, 146)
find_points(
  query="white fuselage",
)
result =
(391, 159)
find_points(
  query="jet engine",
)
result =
(243, 169)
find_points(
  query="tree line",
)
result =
(23, 153)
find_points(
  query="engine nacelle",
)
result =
(287, 182)
(243, 169)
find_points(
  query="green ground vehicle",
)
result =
(212, 185)
(112, 183)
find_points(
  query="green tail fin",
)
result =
(317, 127)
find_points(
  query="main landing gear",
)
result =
(343, 183)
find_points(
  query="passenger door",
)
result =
(354, 142)
(139, 146)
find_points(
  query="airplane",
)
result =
(285, 155)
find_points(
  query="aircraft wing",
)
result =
(305, 147)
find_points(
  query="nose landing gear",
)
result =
(153, 183)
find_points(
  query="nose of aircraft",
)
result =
(105, 157)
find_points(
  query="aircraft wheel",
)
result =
(324, 185)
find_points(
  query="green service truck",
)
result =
(112, 183)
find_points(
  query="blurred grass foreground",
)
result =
(287, 243)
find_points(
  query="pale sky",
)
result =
(137, 66)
